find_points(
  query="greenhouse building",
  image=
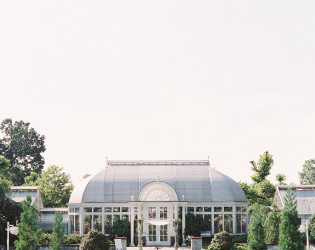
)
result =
(158, 193)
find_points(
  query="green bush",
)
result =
(73, 239)
(45, 239)
(242, 238)
(121, 228)
(221, 241)
(241, 247)
(94, 240)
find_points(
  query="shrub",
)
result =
(73, 239)
(242, 238)
(221, 241)
(94, 240)
(312, 229)
(45, 239)
(121, 228)
(57, 237)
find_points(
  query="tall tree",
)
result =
(23, 147)
(280, 178)
(57, 236)
(5, 168)
(29, 235)
(262, 190)
(307, 176)
(289, 235)
(55, 186)
(256, 235)
(271, 226)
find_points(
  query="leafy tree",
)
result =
(9, 210)
(94, 240)
(307, 176)
(55, 186)
(289, 236)
(221, 241)
(57, 237)
(29, 236)
(195, 224)
(280, 178)
(256, 235)
(23, 147)
(5, 168)
(120, 228)
(311, 228)
(262, 190)
(271, 226)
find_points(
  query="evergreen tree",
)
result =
(58, 233)
(256, 236)
(29, 236)
(271, 226)
(289, 236)
(311, 228)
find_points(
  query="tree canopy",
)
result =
(307, 176)
(23, 147)
(55, 186)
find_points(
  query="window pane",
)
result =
(163, 233)
(163, 213)
(243, 223)
(116, 218)
(97, 224)
(218, 223)
(190, 209)
(207, 209)
(125, 209)
(71, 209)
(97, 209)
(152, 212)
(116, 209)
(108, 223)
(199, 209)
(152, 232)
(125, 217)
(87, 223)
(208, 221)
(217, 209)
(239, 223)
(77, 209)
(228, 223)
(107, 209)
(238, 209)
(244, 209)
(77, 224)
(228, 209)
(88, 209)
(71, 224)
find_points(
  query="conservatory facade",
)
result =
(158, 193)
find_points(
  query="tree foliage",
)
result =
(289, 235)
(256, 235)
(29, 236)
(221, 241)
(262, 190)
(311, 228)
(271, 226)
(307, 176)
(5, 168)
(55, 186)
(23, 147)
(280, 178)
(120, 228)
(195, 224)
(94, 240)
(57, 236)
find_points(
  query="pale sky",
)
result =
(162, 80)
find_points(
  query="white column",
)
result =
(234, 219)
(81, 221)
(132, 219)
(183, 225)
(139, 217)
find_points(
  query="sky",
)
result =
(162, 80)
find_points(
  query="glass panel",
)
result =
(152, 212)
(77, 210)
(116, 218)
(228, 223)
(108, 223)
(239, 223)
(125, 209)
(217, 209)
(244, 209)
(199, 209)
(125, 217)
(243, 223)
(71, 224)
(190, 209)
(163, 233)
(87, 223)
(97, 224)
(107, 209)
(116, 209)
(238, 209)
(71, 209)
(218, 223)
(152, 232)
(207, 209)
(77, 224)
(228, 209)
(208, 220)
(88, 209)
(163, 213)
(97, 209)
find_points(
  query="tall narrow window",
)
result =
(87, 223)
